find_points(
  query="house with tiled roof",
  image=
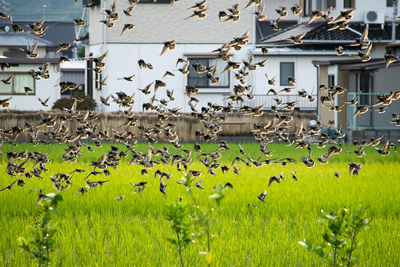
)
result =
(315, 61)
(157, 22)
(25, 78)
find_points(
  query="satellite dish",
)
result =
(7, 28)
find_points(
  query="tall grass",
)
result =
(96, 230)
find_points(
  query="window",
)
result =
(201, 80)
(287, 70)
(331, 80)
(90, 3)
(98, 80)
(348, 4)
(389, 3)
(365, 87)
(331, 83)
(155, 1)
(18, 84)
(325, 4)
(331, 3)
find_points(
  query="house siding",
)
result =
(156, 23)
(122, 61)
(44, 88)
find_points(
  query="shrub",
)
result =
(339, 237)
(84, 102)
(41, 242)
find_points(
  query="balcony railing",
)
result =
(376, 118)
(268, 100)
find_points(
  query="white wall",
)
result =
(122, 62)
(305, 73)
(44, 89)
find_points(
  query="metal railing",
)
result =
(373, 119)
(268, 100)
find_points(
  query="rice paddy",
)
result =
(97, 230)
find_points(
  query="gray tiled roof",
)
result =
(21, 39)
(57, 32)
(318, 31)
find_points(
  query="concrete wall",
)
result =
(234, 125)
(95, 27)
(44, 88)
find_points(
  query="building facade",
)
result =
(155, 23)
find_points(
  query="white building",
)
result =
(28, 72)
(21, 69)
(158, 22)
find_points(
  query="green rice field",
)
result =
(97, 230)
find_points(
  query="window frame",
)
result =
(13, 88)
(98, 78)
(190, 58)
(280, 73)
(365, 100)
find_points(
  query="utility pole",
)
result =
(394, 20)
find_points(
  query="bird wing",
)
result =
(164, 50)
(301, 36)
(102, 159)
(312, 18)
(35, 46)
(369, 48)
(124, 29)
(113, 6)
(249, 4)
(102, 57)
(365, 34)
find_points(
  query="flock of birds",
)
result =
(53, 127)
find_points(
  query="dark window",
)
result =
(287, 70)
(389, 3)
(156, 1)
(75, 77)
(325, 4)
(201, 80)
(331, 83)
(18, 84)
(348, 4)
(89, 3)
(331, 3)
(365, 88)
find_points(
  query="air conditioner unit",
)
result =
(374, 17)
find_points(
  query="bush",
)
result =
(84, 102)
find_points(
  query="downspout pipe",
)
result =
(394, 20)
(318, 107)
